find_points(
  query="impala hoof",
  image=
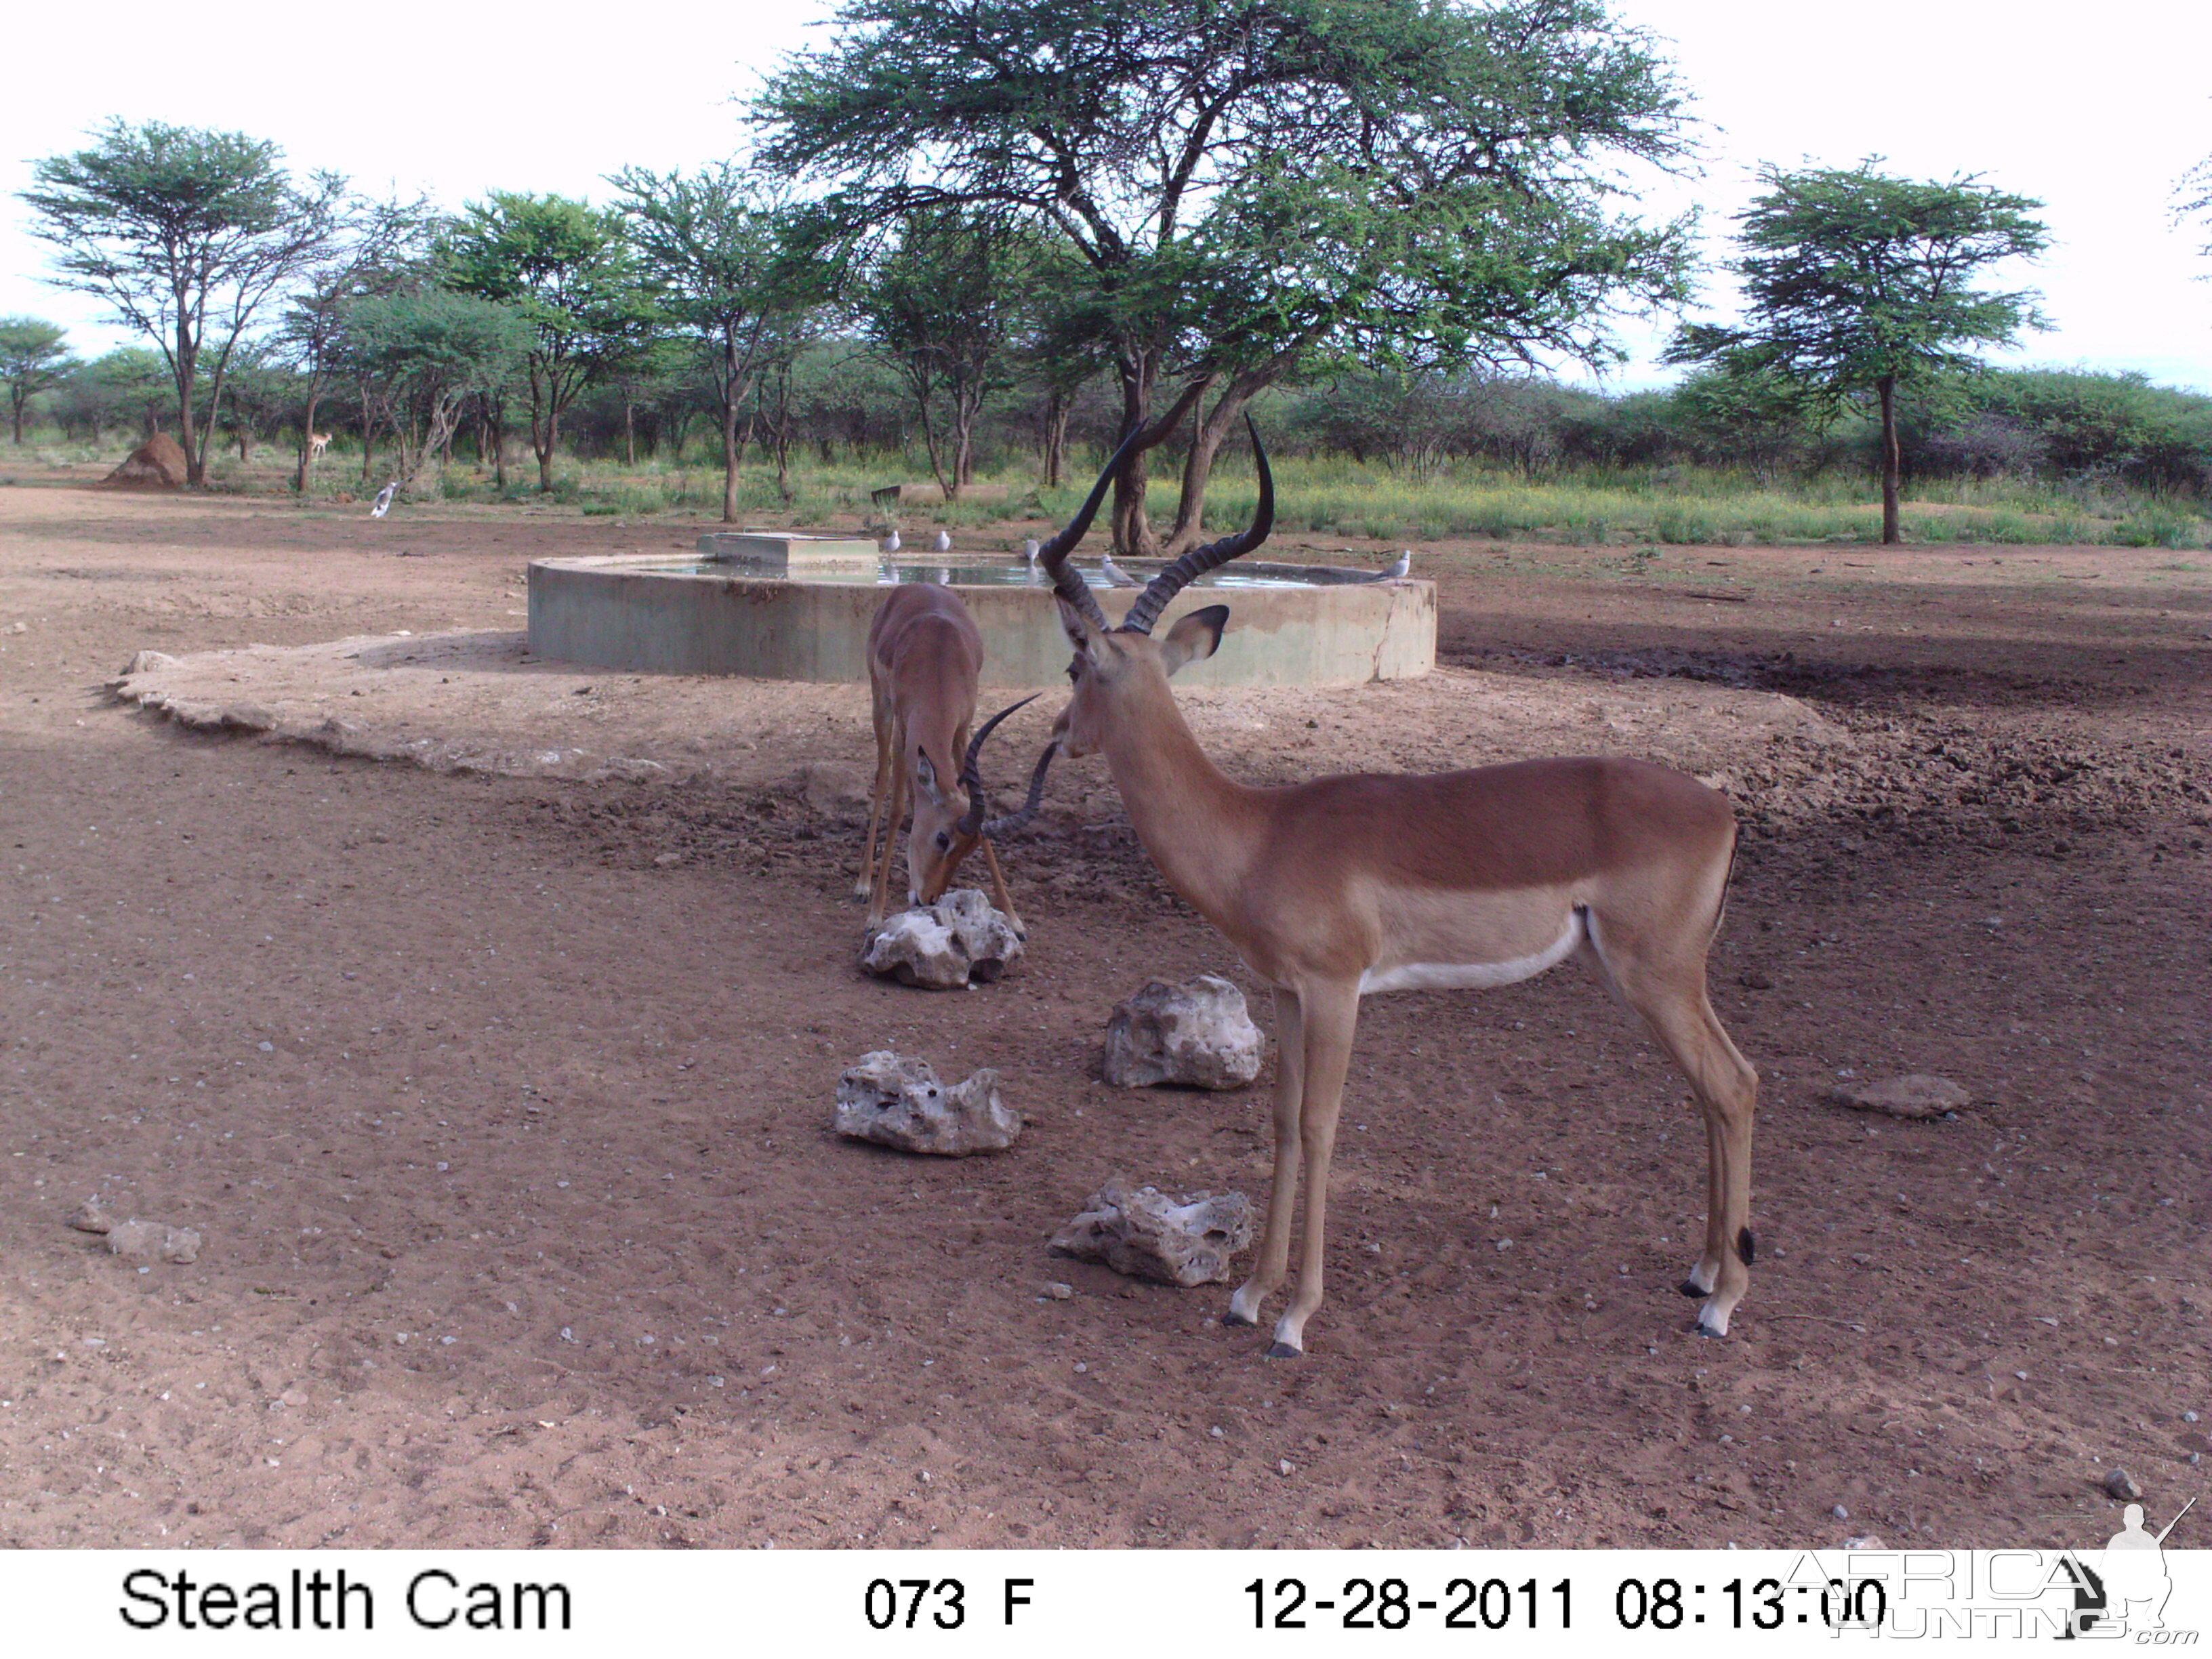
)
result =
(1284, 1351)
(1232, 1317)
(1704, 1329)
(1691, 1287)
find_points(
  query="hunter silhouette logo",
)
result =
(2127, 1591)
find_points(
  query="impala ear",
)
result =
(924, 777)
(1194, 638)
(1079, 628)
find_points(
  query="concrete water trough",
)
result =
(780, 607)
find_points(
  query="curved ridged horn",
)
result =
(1005, 826)
(1052, 557)
(971, 777)
(1200, 560)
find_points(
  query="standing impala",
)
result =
(1343, 886)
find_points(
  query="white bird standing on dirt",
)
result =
(943, 544)
(384, 500)
(1114, 572)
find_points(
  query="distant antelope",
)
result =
(317, 443)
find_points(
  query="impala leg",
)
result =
(1274, 1257)
(883, 887)
(866, 886)
(1727, 1089)
(999, 891)
(1330, 1016)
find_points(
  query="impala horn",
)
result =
(971, 778)
(1052, 557)
(1200, 560)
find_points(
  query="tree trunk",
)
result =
(730, 459)
(187, 367)
(1129, 518)
(629, 433)
(15, 396)
(306, 435)
(1892, 461)
(1205, 444)
(1057, 405)
(544, 427)
(1132, 534)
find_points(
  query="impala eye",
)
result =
(943, 840)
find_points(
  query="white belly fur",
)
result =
(1473, 975)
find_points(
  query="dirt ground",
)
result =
(485, 1016)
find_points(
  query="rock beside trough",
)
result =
(1143, 1233)
(1197, 1035)
(897, 1101)
(946, 946)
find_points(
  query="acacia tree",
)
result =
(715, 246)
(33, 356)
(186, 233)
(1255, 187)
(943, 308)
(377, 248)
(567, 268)
(1857, 283)
(420, 356)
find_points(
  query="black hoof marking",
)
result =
(1284, 1351)
(1691, 1287)
(1746, 1245)
(1704, 1329)
(1232, 1317)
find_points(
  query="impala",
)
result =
(317, 443)
(1341, 887)
(924, 657)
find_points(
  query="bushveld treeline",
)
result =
(2071, 429)
(1360, 222)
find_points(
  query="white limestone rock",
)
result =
(153, 1241)
(1142, 1233)
(897, 1101)
(945, 946)
(1196, 1035)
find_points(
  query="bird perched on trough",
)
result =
(1115, 575)
(891, 542)
(384, 500)
(943, 544)
(1404, 563)
(1030, 552)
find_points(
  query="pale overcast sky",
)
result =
(2095, 113)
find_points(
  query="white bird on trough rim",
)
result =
(943, 544)
(1030, 552)
(384, 500)
(891, 542)
(1404, 562)
(1114, 573)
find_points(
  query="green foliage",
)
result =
(33, 356)
(186, 233)
(1853, 278)
(1858, 283)
(1249, 186)
(566, 269)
